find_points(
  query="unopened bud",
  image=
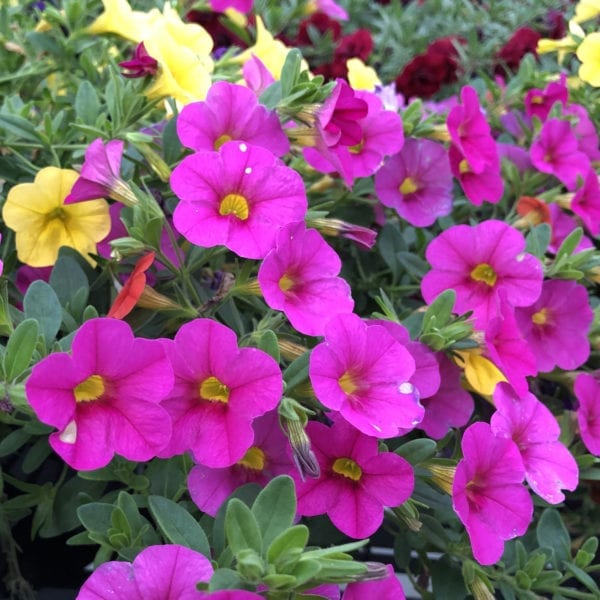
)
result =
(442, 475)
(150, 298)
(304, 458)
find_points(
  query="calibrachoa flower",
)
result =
(43, 223)
(230, 112)
(586, 203)
(587, 53)
(300, 277)
(539, 103)
(562, 225)
(549, 466)
(361, 371)
(587, 390)
(556, 326)
(141, 65)
(389, 588)
(103, 397)
(488, 495)
(479, 261)
(238, 197)
(356, 481)
(417, 182)
(243, 6)
(168, 572)
(523, 41)
(555, 151)
(219, 390)
(265, 459)
(132, 290)
(100, 175)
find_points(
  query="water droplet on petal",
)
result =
(406, 388)
(69, 434)
(248, 170)
(375, 427)
(243, 147)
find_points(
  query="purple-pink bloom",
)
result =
(357, 481)
(256, 76)
(361, 371)
(100, 175)
(470, 132)
(587, 391)
(265, 459)
(332, 9)
(230, 112)
(539, 103)
(555, 151)
(549, 466)
(478, 262)
(584, 130)
(586, 203)
(242, 6)
(237, 197)
(389, 588)
(168, 572)
(417, 182)
(103, 397)
(556, 325)
(300, 277)
(219, 390)
(488, 494)
(141, 65)
(562, 225)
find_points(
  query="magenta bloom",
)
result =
(555, 151)
(556, 326)
(586, 203)
(256, 76)
(562, 225)
(238, 197)
(265, 459)
(219, 390)
(587, 390)
(488, 495)
(383, 589)
(450, 406)
(478, 262)
(417, 182)
(470, 132)
(300, 277)
(584, 130)
(356, 481)
(103, 397)
(539, 103)
(168, 572)
(230, 112)
(141, 65)
(363, 372)
(486, 185)
(242, 6)
(549, 466)
(100, 175)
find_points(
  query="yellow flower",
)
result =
(360, 76)
(589, 55)
(481, 374)
(43, 223)
(120, 19)
(586, 10)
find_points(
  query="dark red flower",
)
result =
(322, 23)
(523, 41)
(141, 65)
(355, 45)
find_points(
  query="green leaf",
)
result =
(275, 508)
(67, 279)
(438, 313)
(19, 127)
(241, 528)
(36, 455)
(288, 544)
(290, 71)
(268, 343)
(224, 579)
(297, 371)
(177, 525)
(416, 451)
(538, 239)
(20, 347)
(13, 441)
(41, 303)
(390, 242)
(552, 533)
(87, 105)
(584, 578)
(305, 570)
(570, 243)
(278, 581)
(96, 516)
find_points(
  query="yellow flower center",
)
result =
(537, 99)
(484, 272)
(90, 389)
(408, 186)
(286, 283)
(254, 459)
(463, 166)
(234, 204)
(57, 213)
(213, 390)
(347, 383)
(347, 468)
(540, 317)
(357, 148)
(221, 140)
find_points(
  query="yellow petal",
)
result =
(481, 374)
(118, 18)
(586, 10)
(360, 76)
(589, 55)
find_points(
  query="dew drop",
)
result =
(248, 170)
(406, 388)
(375, 427)
(243, 147)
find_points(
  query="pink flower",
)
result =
(356, 481)
(556, 326)
(562, 225)
(219, 390)
(549, 466)
(539, 103)
(141, 65)
(99, 177)
(300, 277)
(584, 130)
(382, 589)
(238, 197)
(363, 372)
(555, 151)
(103, 397)
(417, 182)
(587, 390)
(478, 262)
(332, 9)
(470, 132)
(586, 203)
(230, 112)
(242, 6)
(265, 459)
(488, 495)
(168, 572)
(256, 76)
